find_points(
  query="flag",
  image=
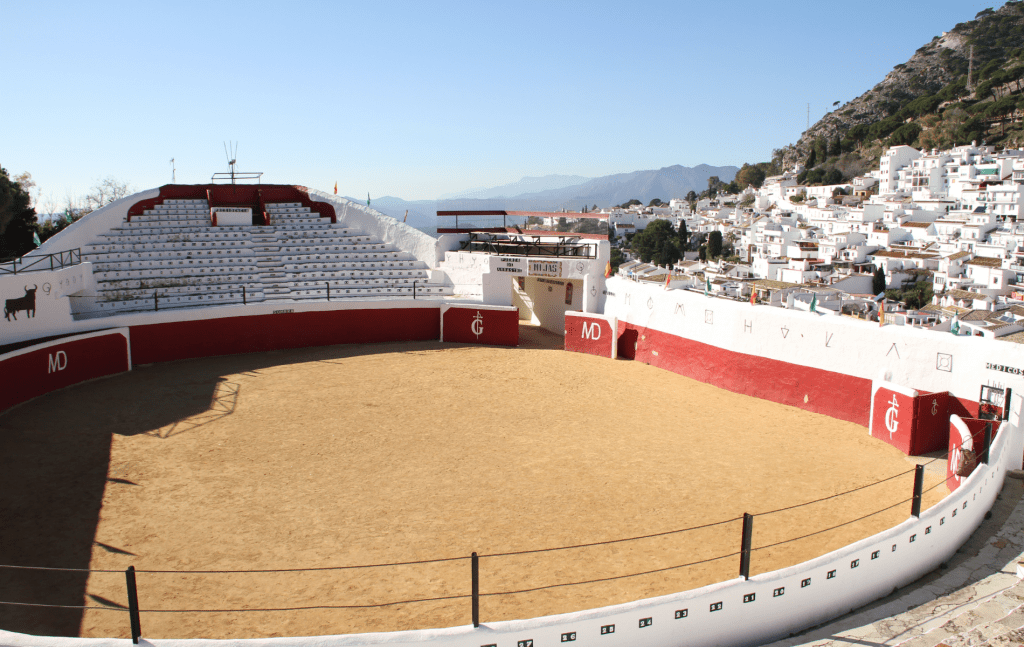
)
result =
(367, 198)
(814, 302)
(955, 327)
(881, 314)
(335, 188)
(608, 269)
(752, 294)
(67, 216)
(668, 279)
(707, 286)
(35, 238)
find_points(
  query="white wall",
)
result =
(922, 359)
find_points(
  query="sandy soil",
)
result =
(353, 455)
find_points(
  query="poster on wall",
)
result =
(546, 268)
(509, 265)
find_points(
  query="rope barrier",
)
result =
(845, 523)
(614, 577)
(833, 496)
(611, 541)
(310, 608)
(60, 606)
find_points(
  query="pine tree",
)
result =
(18, 223)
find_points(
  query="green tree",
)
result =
(812, 159)
(655, 202)
(683, 237)
(657, 243)
(715, 244)
(702, 253)
(750, 176)
(878, 281)
(18, 222)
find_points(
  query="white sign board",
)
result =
(509, 265)
(227, 216)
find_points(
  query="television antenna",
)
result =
(231, 154)
(174, 176)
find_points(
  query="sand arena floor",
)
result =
(353, 455)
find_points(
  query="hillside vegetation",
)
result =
(937, 99)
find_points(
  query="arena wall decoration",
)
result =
(826, 364)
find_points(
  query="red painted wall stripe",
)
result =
(467, 325)
(36, 372)
(833, 394)
(165, 342)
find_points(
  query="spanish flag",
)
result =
(335, 188)
(668, 279)
(608, 270)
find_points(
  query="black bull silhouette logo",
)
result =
(26, 303)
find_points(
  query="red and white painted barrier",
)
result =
(912, 421)
(36, 370)
(492, 325)
(172, 340)
(594, 334)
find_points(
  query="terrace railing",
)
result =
(42, 262)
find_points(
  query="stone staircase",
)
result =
(976, 601)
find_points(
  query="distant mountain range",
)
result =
(555, 192)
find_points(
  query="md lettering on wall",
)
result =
(58, 362)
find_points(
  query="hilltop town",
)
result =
(931, 238)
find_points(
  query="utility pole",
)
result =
(970, 69)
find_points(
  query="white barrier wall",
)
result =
(920, 359)
(45, 292)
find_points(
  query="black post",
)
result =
(1006, 403)
(475, 564)
(915, 505)
(133, 604)
(414, 290)
(748, 533)
(156, 302)
(244, 302)
(328, 290)
(988, 443)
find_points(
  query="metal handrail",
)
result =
(43, 262)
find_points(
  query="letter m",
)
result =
(592, 331)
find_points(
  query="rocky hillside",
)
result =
(927, 102)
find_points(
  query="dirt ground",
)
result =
(355, 455)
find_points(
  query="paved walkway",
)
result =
(977, 599)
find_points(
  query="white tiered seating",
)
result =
(171, 257)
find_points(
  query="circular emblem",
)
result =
(579, 267)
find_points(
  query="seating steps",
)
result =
(173, 252)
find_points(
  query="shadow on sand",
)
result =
(54, 468)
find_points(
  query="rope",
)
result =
(608, 579)
(309, 608)
(845, 523)
(833, 496)
(610, 541)
(60, 606)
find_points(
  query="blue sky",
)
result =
(420, 99)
